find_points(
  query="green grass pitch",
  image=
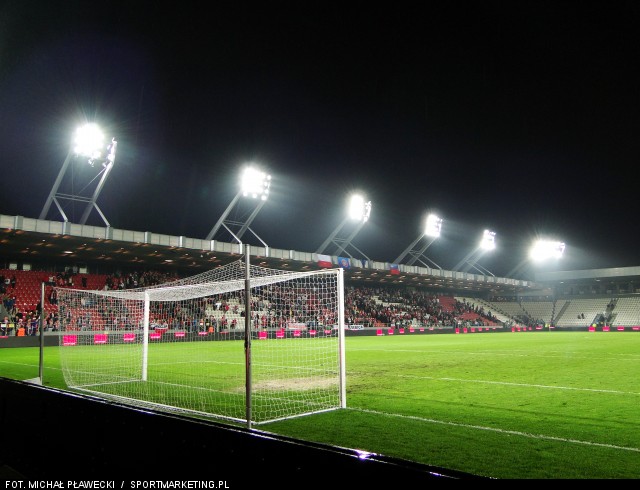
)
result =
(503, 405)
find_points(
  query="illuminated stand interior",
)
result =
(254, 184)
(359, 212)
(433, 226)
(487, 243)
(88, 142)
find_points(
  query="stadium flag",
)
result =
(394, 269)
(364, 263)
(324, 261)
(344, 262)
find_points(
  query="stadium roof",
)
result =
(43, 250)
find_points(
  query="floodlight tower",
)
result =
(541, 250)
(359, 211)
(254, 184)
(88, 142)
(546, 249)
(487, 243)
(433, 226)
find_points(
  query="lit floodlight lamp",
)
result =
(358, 210)
(488, 241)
(470, 261)
(255, 183)
(546, 249)
(539, 251)
(88, 141)
(433, 227)
(111, 152)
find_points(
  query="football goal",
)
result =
(240, 342)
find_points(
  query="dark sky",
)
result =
(520, 117)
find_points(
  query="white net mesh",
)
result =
(182, 346)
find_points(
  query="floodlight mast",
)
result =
(432, 230)
(482, 270)
(540, 251)
(359, 210)
(471, 259)
(92, 150)
(254, 184)
(108, 165)
(546, 249)
(471, 262)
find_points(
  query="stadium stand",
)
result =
(379, 307)
(626, 311)
(582, 312)
(93, 257)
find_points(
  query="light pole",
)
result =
(88, 142)
(470, 261)
(359, 211)
(254, 184)
(546, 249)
(432, 229)
(541, 250)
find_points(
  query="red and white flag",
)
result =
(325, 261)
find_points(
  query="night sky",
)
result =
(519, 117)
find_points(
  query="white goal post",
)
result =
(190, 347)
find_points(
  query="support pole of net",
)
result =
(41, 324)
(145, 336)
(247, 334)
(341, 344)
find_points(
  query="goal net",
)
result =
(190, 346)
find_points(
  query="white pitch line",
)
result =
(19, 364)
(526, 385)
(511, 353)
(501, 431)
